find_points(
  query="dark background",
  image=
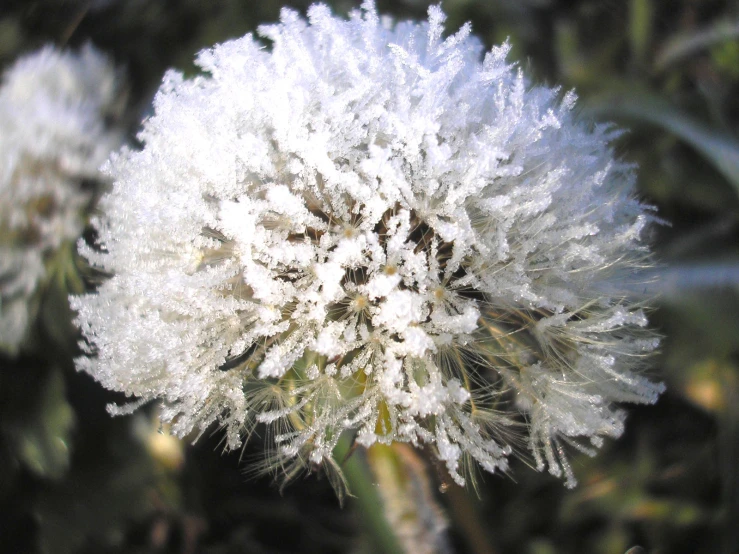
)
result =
(72, 479)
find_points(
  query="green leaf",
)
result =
(640, 27)
(720, 149)
(685, 45)
(56, 315)
(42, 441)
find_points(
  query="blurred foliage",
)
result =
(72, 479)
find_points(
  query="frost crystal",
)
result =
(52, 139)
(364, 228)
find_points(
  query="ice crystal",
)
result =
(365, 228)
(53, 138)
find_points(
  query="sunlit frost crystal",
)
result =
(363, 227)
(53, 137)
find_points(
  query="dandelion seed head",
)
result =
(395, 234)
(54, 137)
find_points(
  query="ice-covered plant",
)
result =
(365, 228)
(53, 138)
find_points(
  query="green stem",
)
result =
(365, 497)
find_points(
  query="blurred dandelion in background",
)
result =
(53, 109)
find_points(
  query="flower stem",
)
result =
(366, 498)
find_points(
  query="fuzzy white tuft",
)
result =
(383, 232)
(52, 137)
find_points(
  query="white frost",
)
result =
(393, 232)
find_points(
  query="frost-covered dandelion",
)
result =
(53, 138)
(364, 228)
